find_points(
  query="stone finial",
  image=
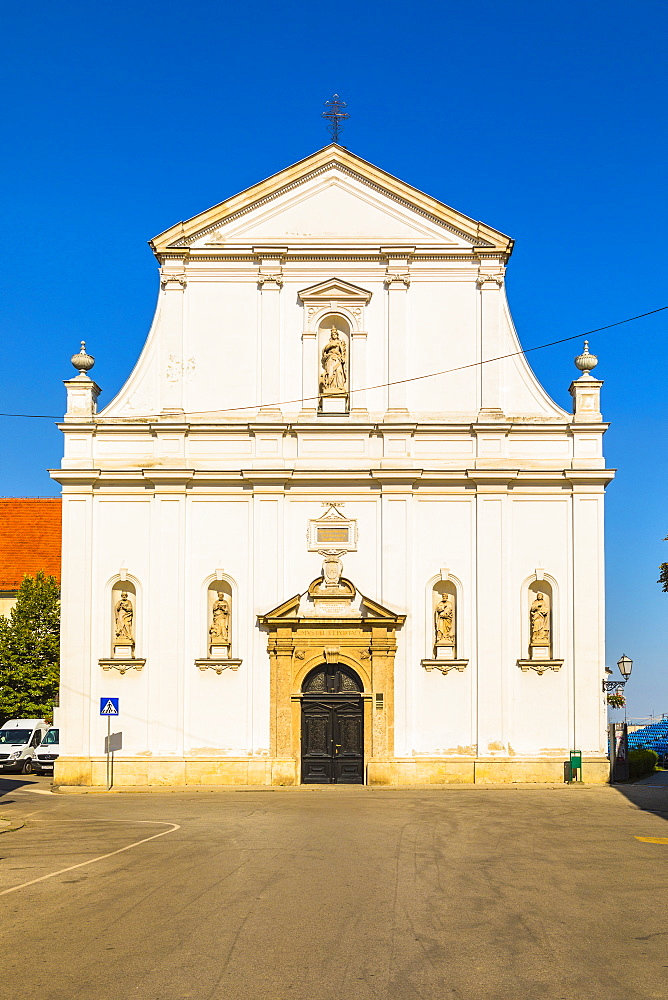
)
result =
(82, 362)
(586, 361)
(82, 391)
(586, 390)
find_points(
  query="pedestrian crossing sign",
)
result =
(109, 706)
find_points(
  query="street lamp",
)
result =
(625, 666)
(619, 761)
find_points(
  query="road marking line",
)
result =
(82, 864)
(653, 840)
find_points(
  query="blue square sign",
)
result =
(109, 706)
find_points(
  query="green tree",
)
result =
(30, 650)
(663, 574)
(663, 577)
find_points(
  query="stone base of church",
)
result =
(138, 772)
(482, 771)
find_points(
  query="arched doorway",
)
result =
(332, 726)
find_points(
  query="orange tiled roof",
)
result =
(30, 531)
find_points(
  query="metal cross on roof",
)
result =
(335, 115)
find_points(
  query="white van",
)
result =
(19, 739)
(47, 751)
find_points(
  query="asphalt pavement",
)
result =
(342, 893)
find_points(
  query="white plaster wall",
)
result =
(120, 539)
(218, 709)
(172, 546)
(444, 711)
(220, 317)
(539, 707)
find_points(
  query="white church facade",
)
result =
(293, 552)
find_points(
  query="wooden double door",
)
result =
(332, 727)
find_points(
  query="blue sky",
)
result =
(547, 121)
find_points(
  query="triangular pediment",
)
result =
(288, 609)
(334, 288)
(330, 197)
(368, 608)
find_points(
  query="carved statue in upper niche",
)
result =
(220, 624)
(444, 619)
(540, 621)
(123, 615)
(334, 377)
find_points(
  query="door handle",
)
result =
(338, 746)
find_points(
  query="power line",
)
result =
(381, 385)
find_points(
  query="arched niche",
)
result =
(124, 619)
(444, 619)
(219, 619)
(333, 355)
(539, 615)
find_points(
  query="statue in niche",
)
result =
(444, 619)
(219, 632)
(334, 378)
(123, 615)
(540, 621)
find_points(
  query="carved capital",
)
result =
(404, 279)
(173, 280)
(275, 276)
(497, 278)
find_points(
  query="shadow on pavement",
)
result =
(11, 783)
(650, 794)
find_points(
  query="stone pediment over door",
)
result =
(360, 609)
(347, 628)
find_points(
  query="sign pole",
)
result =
(109, 707)
(108, 743)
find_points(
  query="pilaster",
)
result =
(491, 575)
(309, 375)
(397, 282)
(270, 283)
(490, 283)
(358, 371)
(173, 283)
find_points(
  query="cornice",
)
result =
(405, 480)
(168, 478)
(492, 477)
(75, 477)
(593, 428)
(589, 477)
(151, 425)
(320, 254)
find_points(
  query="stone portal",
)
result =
(346, 629)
